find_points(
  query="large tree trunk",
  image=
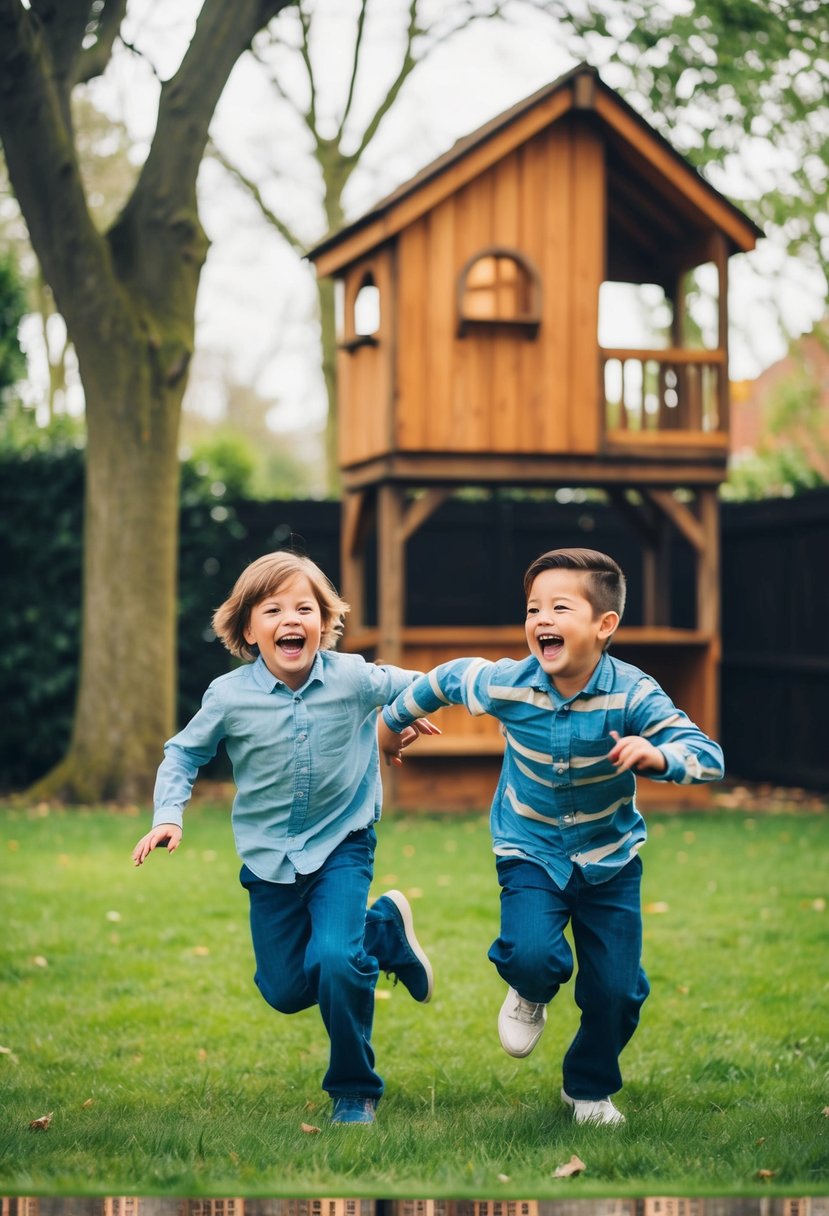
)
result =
(126, 695)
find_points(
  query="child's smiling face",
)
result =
(563, 630)
(287, 626)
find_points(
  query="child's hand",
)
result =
(634, 752)
(168, 834)
(392, 744)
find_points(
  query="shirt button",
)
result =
(560, 771)
(300, 793)
(564, 708)
(302, 738)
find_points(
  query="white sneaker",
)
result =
(520, 1024)
(599, 1110)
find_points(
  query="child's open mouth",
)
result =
(291, 645)
(551, 645)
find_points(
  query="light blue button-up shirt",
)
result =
(560, 802)
(305, 762)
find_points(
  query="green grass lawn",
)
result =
(128, 1012)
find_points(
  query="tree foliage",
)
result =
(12, 310)
(736, 85)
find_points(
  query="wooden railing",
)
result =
(656, 392)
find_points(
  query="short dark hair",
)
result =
(604, 584)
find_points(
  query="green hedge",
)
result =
(41, 523)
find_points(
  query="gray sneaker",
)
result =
(520, 1024)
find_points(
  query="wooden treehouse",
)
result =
(469, 355)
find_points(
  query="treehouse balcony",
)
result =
(658, 401)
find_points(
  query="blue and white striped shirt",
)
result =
(560, 802)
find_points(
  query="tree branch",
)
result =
(163, 208)
(355, 66)
(305, 50)
(250, 187)
(93, 60)
(34, 114)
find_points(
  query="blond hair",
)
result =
(262, 578)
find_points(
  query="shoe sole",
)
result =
(404, 908)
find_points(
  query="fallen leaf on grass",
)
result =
(87, 1103)
(574, 1166)
(503, 1177)
(657, 907)
(825, 1112)
(766, 1175)
(41, 1124)
(309, 1129)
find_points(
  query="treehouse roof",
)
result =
(658, 204)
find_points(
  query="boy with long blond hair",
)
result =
(299, 723)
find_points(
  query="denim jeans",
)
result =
(315, 944)
(534, 957)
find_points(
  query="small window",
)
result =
(367, 309)
(362, 315)
(499, 287)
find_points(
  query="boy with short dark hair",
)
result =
(566, 831)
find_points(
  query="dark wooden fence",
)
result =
(775, 663)
(465, 567)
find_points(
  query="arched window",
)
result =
(499, 287)
(367, 308)
(362, 313)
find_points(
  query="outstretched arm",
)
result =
(392, 744)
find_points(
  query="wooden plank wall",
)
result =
(495, 390)
(364, 373)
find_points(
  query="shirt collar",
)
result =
(601, 679)
(267, 681)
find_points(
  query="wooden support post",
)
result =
(721, 260)
(642, 518)
(355, 517)
(708, 563)
(391, 572)
(708, 605)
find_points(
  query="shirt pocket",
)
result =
(588, 757)
(335, 732)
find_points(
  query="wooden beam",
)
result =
(391, 572)
(660, 160)
(665, 462)
(680, 515)
(721, 261)
(419, 511)
(708, 563)
(641, 516)
(355, 517)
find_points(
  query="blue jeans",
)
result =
(534, 957)
(315, 944)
